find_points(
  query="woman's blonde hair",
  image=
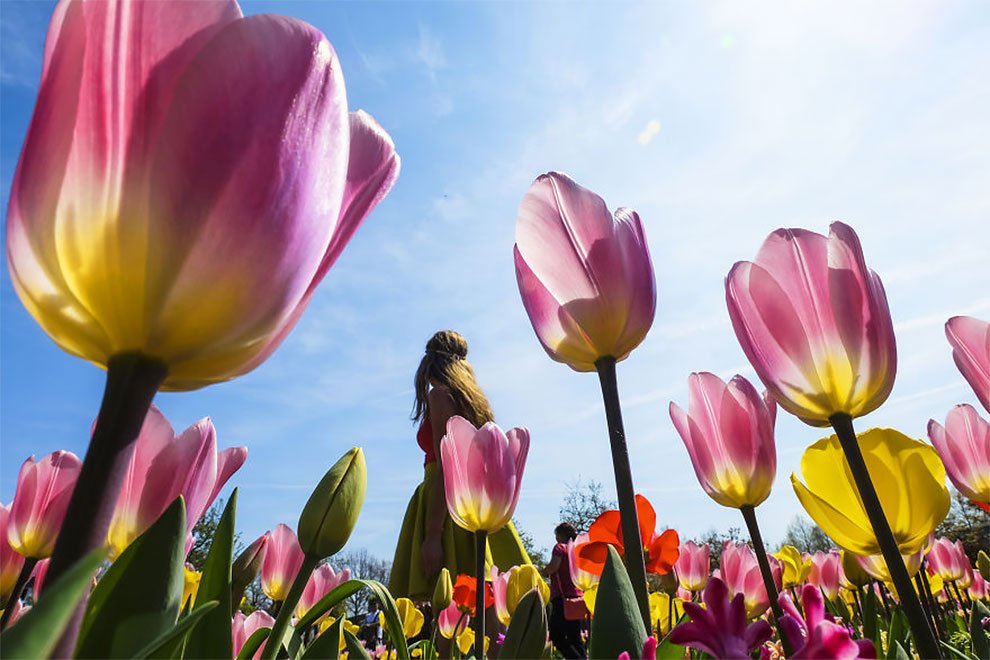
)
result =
(445, 363)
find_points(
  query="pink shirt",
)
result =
(561, 583)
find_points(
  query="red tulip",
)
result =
(660, 550)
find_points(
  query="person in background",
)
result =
(564, 633)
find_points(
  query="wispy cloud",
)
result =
(650, 131)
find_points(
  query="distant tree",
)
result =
(968, 523)
(583, 503)
(203, 532)
(537, 554)
(363, 566)
(716, 539)
(255, 598)
(806, 536)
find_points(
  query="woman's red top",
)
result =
(424, 436)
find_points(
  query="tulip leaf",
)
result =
(667, 650)
(355, 649)
(956, 653)
(981, 641)
(896, 652)
(899, 630)
(253, 643)
(527, 633)
(139, 596)
(212, 639)
(617, 626)
(871, 619)
(37, 632)
(393, 623)
(171, 643)
(326, 645)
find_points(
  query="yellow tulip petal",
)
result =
(844, 532)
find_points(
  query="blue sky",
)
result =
(718, 122)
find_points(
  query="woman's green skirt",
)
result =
(505, 549)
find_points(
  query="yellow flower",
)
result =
(412, 619)
(190, 585)
(416, 652)
(796, 567)
(876, 566)
(909, 478)
(352, 628)
(590, 595)
(660, 611)
(465, 641)
(522, 580)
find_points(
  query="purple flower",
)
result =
(814, 635)
(722, 630)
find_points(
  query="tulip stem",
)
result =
(281, 625)
(926, 604)
(480, 545)
(924, 638)
(22, 578)
(632, 549)
(749, 515)
(936, 611)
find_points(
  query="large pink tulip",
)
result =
(693, 566)
(11, 561)
(188, 177)
(964, 447)
(584, 274)
(728, 432)
(813, 321)
(164, 466)
(283, 558)
(826, 570)
(322, 581)
(482, 473)
(946, 560)
(42, 496)
(970, 339)
(242, 627)
(740, 570)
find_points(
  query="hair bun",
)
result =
(448, 342)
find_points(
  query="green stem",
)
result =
(281, 625)
(632, 544)
(749, 515)
(480, 545)
(22, 579)
(936, 610)
(924, 638)
(926, 604)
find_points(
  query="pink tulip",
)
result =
(728, 432)
(980, 588)
(447, 621)
(813, 321)
(283, 559)
(585, 276)
(242, 627)
(40, 571)
(322, 581)
(121, 234)
(500, 588)
(693, 566)
(740, 571)
(649, 651)
(482, 473)
(582, 579)
(813, 636)
(945, 559)
(19, 609)
(721, 629)
(11, 561)
(164, 466)
(970, 339)
(964, 447)
(966, 581)
(826, 569)
(40, 502)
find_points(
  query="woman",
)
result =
(429, 540)
(565, 634)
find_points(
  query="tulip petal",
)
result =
(970, 340)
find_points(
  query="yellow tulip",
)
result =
(876, 566)
(590, 596)
(660, 611)
(796, 567)
(465, 641)
(412, 619)
(910, 482)
(522, 580)
(190, 586)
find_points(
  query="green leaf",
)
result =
(617, 625)
(326, 645)
(37, 632)
(871, 618)
(899, 631)
(527, 633)
(981, 641)
(355, 649)
(393, 624)
(667, 650)
(253, 643)
(212, 638)
(139, 596)
(896, 652)
(171, 643)
(953, 651)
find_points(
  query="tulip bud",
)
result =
(669, 583)
(246, 567)
(443, 593)
(983, 564)
(527, 633)
(329, 516)
(852, 571)
(522, 580)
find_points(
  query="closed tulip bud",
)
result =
(246, 567)
(283, 560)
(825, 570)
(946, 560)
(522, 580)
(40, 503)
(853, 576)
(814, 322)
(443, 592)
(970, 339)
(584, 274)
(876, 566)
(983, 564)
(963, 444)
(693, 565)
(327, 520)
(668, 583)
(526, 636)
